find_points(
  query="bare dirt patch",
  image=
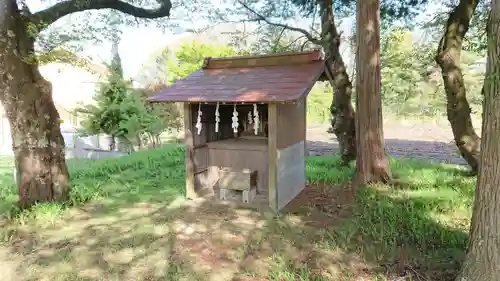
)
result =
(199, 241)
(323, 205)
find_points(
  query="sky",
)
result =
(139, 42)
(136, 45)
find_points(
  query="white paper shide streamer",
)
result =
(250, 118)
(235, 123)
(256, 120)
(198, 120)
(217, 118)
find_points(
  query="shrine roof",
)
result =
(283, 77)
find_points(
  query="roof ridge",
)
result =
(284, 58)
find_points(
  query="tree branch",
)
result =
(258, 16)
(276, 44)
(295, 41)
(44, 18)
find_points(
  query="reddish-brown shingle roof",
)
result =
(281, 77)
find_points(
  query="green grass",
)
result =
(419, 225)
(155, 175)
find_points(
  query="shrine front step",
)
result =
(234, 182)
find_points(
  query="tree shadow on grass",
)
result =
(425, 216)
(405, 233)
(205, 240)
(140, 232)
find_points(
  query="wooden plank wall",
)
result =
(272, 142)
(290, 154)
(199, 176)
(189, 142)
(291, 124)
(255, 160)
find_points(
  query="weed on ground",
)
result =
(127, 220)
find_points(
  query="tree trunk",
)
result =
(343, 116)
(448, 59)
(112, 143)
(37, 142)
(372, 164)
(483, 253)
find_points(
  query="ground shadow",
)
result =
(327, 230)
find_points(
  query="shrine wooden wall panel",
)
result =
(242, 159)
(290, 173)
(290, 152)
(291, 124)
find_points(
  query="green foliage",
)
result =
(318, 103)
(114, 100)
(189, 58)
(390, 10)
(405, 68)
(475, 39)
(123, 112)
(411, 81)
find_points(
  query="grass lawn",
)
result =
(128, 221)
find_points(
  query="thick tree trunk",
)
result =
(448, 58)
(343, 123)
(483, 253)
(35, 124)
(372, 164)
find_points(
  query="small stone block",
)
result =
(224, 194)
(237, 180)
(249, 195)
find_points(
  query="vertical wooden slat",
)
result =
(273, 154)
(304, 108)
(189, 142)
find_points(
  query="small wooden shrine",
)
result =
(245, 125)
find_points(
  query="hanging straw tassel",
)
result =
(235, 123)
(198, 120)
(256, 120)
(217, 118)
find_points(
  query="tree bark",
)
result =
(448, 59)
(112, 143)
(37, 142)
(343, 116)
(372, 163)
(483, 252)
